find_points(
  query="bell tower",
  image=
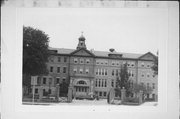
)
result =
(81, 43)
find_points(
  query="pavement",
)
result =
(85, 102)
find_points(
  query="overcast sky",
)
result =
(126, 30)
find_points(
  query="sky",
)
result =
(127, 30)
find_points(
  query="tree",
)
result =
(35, 53)
(136, 88)
(122, 79)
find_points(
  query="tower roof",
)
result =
(82, 38)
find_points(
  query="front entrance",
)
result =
(81, 91)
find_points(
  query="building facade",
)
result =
(92, 72)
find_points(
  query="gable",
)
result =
(82, 52)
(147, 56)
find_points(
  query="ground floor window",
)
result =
(36, 90)
(153, 96)
(147, 95)
(100, 93)
(105, 94)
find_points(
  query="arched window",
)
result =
(81, 82)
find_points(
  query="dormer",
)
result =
(114, 54)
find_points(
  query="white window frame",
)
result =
(81, 70)
(75, 60)
(87, 61)
(81, 61)
(87, 71)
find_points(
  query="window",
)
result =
(105, 83)
(101, 63)
(112, 83)
(80, 70)
(49, 91)
(58, 69)
(57, 80)
(59, 59)
(51, 69)
(44, 92)
(147, 85)
(112, 63)
(96, 83)
(142, 84)
(102, 83)
(97, 62)
(65, 59)
(153, 96)
(87, 71)
(105, 94)
(113, 72)
(142, 64)
(97, 71)
(64, 79)
(75, 60)
(116, 72)
(99, 82)
(38, 80)
(36, 90)
(64, 69)
(81, 82)
(81, 61)
(100, 93)
(132, 65)
(50, 81)
(102, 71)
(148, 65)
(75, 70)
(148, 75)
(87, 61)
(153, 85)
(44, 80)
(142, 75)
(105, 71)
(51, 59)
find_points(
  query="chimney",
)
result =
(111, 50)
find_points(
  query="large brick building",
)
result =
(90, 72)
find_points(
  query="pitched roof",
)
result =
(97, 53)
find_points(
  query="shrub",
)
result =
(130, 99)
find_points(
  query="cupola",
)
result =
(81, 43)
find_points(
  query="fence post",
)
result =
(57, 92)
(111, 95)
(123, 95)
(140, 96)
(40, 93)
(70, 92)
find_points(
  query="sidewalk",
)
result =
(85, 102)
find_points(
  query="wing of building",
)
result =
(90, 71)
